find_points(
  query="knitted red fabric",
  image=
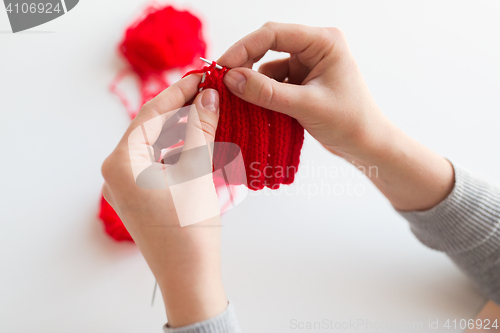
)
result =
(270, 141)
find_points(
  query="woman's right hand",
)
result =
(320, 84)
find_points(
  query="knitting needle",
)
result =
(154, 293)
(209, 62)
(205, 74)
(202, 80)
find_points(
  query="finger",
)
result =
(309, 43)
(168, 137)
(297, 72)
(147, 126)
(165, 105)
(196, 157)
(258, 89)
(290, 69)
(202, 120)
(276, 69)
(172, 155)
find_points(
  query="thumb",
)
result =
(258, 89)
(202, 120)
(208, 104)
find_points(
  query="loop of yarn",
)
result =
(270, 141)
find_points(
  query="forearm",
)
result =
(192, 289)
(186, 264)
(448, 209)
(410, 175)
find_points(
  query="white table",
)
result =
(287, 259)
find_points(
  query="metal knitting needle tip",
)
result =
(209, 62)
(202, 80)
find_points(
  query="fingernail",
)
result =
(235, 81)
(210, 100)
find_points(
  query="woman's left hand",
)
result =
(185, 259)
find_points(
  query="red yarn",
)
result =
(270, 141)
(160, 40)
(112, 223)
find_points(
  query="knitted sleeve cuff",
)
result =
(468, 219)
(225, 322)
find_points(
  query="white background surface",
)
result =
(434, 69)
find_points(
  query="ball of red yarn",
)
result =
(164, 39)
(112, 223)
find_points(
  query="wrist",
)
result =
(193, 291)
(411, 176)
(373, 141)
(189, 274)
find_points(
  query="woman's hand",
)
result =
(319, 84)
(184, 259)
(322, 87)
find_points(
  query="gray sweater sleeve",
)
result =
(466, 226)
(223, 323)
